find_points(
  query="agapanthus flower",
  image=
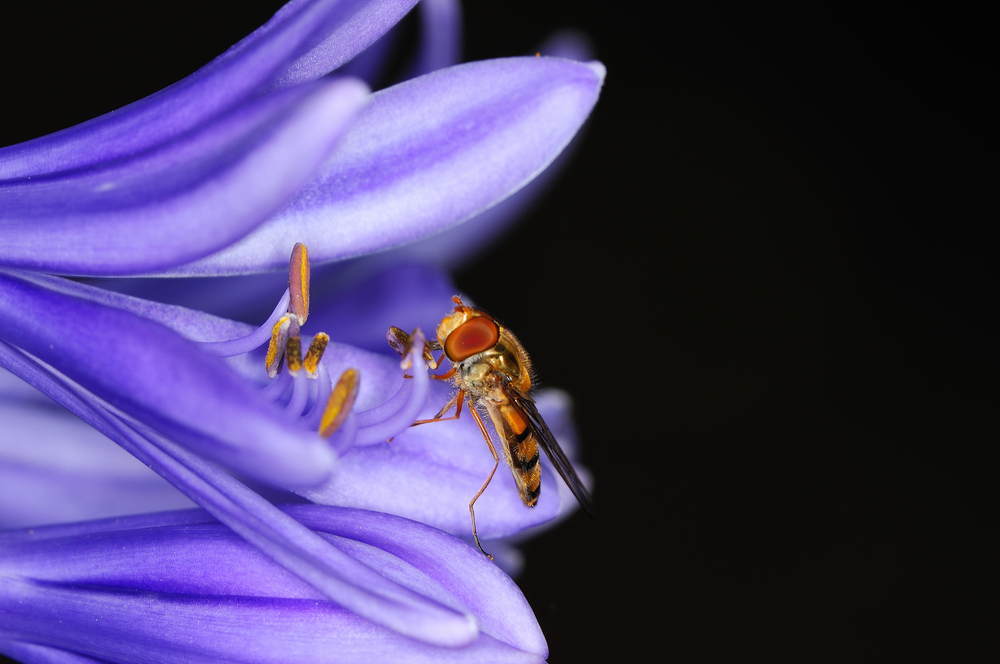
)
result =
(223, 173)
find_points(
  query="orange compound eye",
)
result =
(473, 336)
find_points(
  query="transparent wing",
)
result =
(552, 450)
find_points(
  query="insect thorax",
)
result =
(485, 374)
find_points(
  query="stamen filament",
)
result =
(346, 437)
(276, 388)
(300, 396)
(393, 426)
(253, 340)
(386, 410)
(323, 390)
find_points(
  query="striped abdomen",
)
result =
(520, 449)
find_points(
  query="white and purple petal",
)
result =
(300, 551)
(188, 170)
(304, 40)
(182, 200)
(161, 379)
(423, 156)
(180, 587)
(352, 28)
(55, 468)
(460, 245)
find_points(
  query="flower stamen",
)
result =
(276, 349)
(340, 403)
(300, 396)
(384, 422)
(276, 388)
(285, 342)
(315, 353)
(293, 354)
(401, 342)
(247, 343)
(324, 387)
(322, 405)
(298, 282)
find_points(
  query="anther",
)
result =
(293, 354)
(315, 353)
(398, 340)
(298, 282)
(340, 403)
(276, 349)
(401, 342)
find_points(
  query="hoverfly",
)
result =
(491, 369)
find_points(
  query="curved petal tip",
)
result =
(424, 156)
(598, 68)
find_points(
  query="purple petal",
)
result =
(178, 583)
(351, 584)
(300, 40)
(182, 200)
(186, 630)
(507, 557)
(424, 156)
(55, 468)
(247, 298)
(460, 245)
(493, 598)
(162, 379)
(355, 34)
(194, 325)
(370, 65)
(440, 36)
(440, 44)
(32, 653)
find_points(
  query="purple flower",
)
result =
(221, 174)
(180, 587)
(440, 464)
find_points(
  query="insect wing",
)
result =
(548, 443)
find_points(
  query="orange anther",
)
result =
(340, 402)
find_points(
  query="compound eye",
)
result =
(473, 336)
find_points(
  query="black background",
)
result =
(763, 279)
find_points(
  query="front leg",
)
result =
(459, 398)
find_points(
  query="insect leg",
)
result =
(447, 374)
(460, 397)
(496, 463)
